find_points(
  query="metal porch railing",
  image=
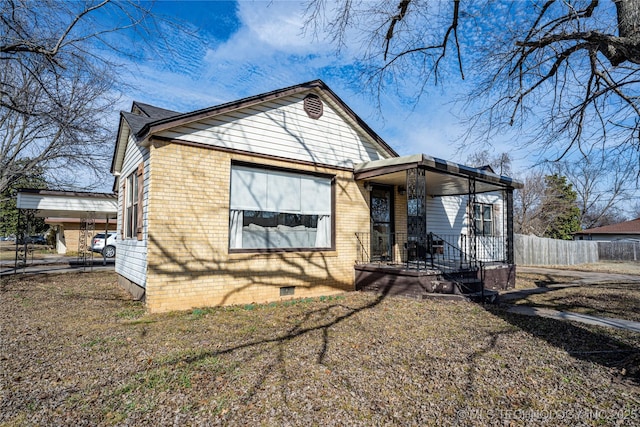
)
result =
(431, 251)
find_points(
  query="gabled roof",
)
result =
(141, 114)
(151, 120)
(627, 227)
(152, 111)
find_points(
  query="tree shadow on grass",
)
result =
(584, 342)
(604, 303)
(274, 347)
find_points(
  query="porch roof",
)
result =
(442, 177)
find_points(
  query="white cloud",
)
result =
(269, 51)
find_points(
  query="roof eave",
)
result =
(122, 138)
(381, 167)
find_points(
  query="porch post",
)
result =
(87, 227)
(472, 221)
(26, 218)
(510, 248)
(416, 213)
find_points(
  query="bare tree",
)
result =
(601, 183)
(500, 163)
(565, 75)
(58, 84)
(635, 211)
(527, 203)
(57, 125)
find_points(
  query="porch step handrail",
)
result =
(454, 253)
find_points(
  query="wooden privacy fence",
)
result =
(532, 250)
(619, 251)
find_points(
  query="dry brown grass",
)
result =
(534, 280)
(604, 298)
(620, 267)
(77, 351)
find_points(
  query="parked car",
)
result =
(97, 244)
(35, 240)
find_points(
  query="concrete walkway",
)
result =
(607, 322)
(582, 278)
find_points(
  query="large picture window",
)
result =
(272, 209)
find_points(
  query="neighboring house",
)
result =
(69, 232)
(289, 193)
(628, 230)
(75, 215)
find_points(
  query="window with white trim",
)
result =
(273, 209)
(131, 204)
(483, 219)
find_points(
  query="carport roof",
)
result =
(77, 204)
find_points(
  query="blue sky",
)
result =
(240, 49)
(231, 50)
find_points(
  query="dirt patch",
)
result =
(76, 350)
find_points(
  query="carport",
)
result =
(86, 206)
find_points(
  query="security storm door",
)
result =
(381, 223)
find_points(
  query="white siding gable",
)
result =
(282, 128)
(131, 254)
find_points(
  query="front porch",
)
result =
(434, 264)
(437, 228)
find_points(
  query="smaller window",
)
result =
(483, 219)
(131, 204)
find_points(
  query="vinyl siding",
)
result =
(282, 128)
(448, 218)
(447, 215)
(131, 254)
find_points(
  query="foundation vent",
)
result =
(287, 290)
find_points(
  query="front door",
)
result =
(381, 223)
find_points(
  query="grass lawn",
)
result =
(615, 299)
(8, 251)
(75, 350)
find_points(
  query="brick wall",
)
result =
(71, 235)
(189, 264)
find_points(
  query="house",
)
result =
(627, 230)
(69, 232)
(75, 215)
(291, 194)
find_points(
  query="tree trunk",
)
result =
(625, 47)
(628, 18)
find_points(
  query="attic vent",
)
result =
(313, 106)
